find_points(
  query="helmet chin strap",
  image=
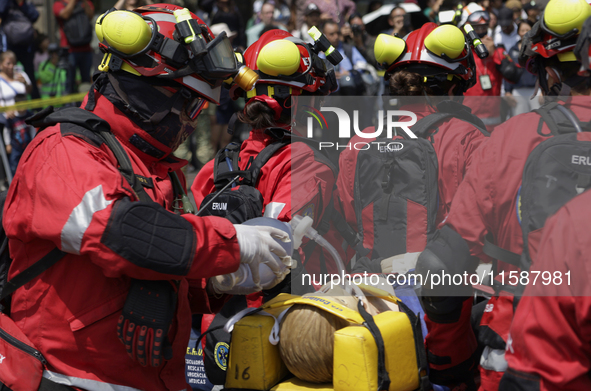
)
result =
(560, 87)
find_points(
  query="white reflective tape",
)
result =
(93, 201)
(162, 17)
(204, 88)
(273, 209)
(491, 120)
(428, 57)
(86, 384)
(493, 360)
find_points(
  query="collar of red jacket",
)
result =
(124, 129)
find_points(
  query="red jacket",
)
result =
(71, 311)
(293, 181)
(454, 142)
(486, 200)
(550, 337)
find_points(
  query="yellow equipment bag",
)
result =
(356, 355)
(254, 362)
(295, 384)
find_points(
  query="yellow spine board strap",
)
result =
(383, 377)
(377, 292)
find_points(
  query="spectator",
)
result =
(432, 10)
(516, 7)
(266, 17)
(19, 134)
(492, 24)
(41, 54)
(523, 90)
(12, 82)
(354, 34)
(396, 20)
(337, 11)
(281, 15)
(532, 10)
(24, 51)
(311, 19)
(130, 5)
(225, 11)
(374, 5)
(495, 6)
(80, 56)
(53, 75)
(506, 31)
(346, 69)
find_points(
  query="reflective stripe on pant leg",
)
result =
(492, 368)
(86, 384)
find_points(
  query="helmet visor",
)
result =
(221, 54)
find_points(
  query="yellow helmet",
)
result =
(168, 42)
(439, 53)
(553, 36)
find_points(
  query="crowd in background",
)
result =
(46, 66)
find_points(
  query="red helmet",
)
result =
(554, 36)
(439, 53)
(289, 65)
(182, 47)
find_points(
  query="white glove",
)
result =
(258, 245)
(400, 263)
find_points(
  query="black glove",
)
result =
(145, 321)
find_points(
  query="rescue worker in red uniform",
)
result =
(415, 71)
(548, 346)
(490, 73)
(487, 203)
(68, 193)
(297, 179)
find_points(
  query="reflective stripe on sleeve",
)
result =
(273, 209)
(93, 201)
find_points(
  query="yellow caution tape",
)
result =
(38, 103)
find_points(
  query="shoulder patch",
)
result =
(308, 210)
(221, 352)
